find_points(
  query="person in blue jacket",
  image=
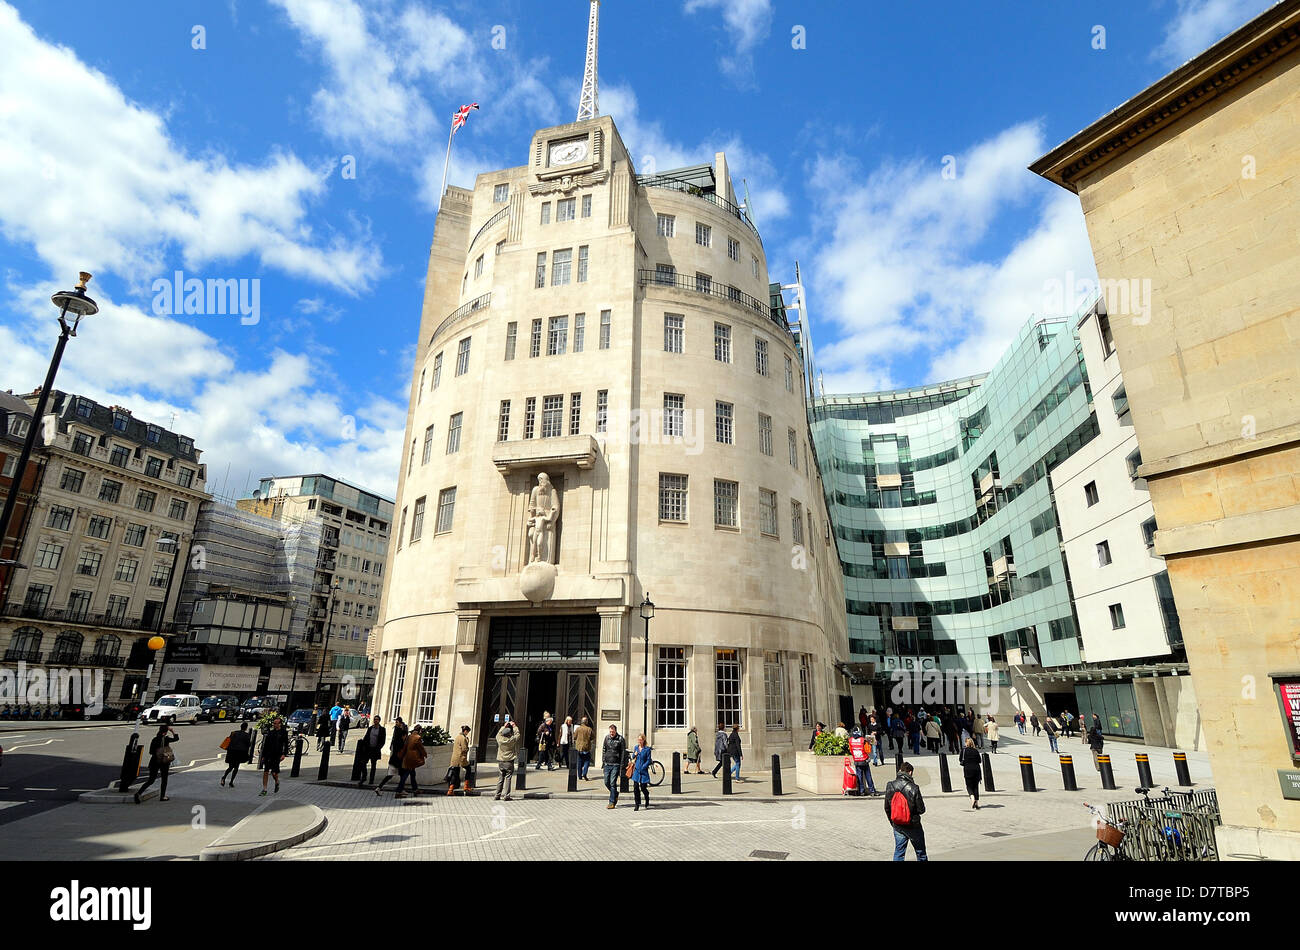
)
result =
(641, 773)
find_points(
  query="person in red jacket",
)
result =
(860, 748)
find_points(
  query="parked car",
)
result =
(298, 721)
(257, 707)
(173, 708)
(219, 708)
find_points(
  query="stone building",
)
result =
(1191, 194)
(15, 421)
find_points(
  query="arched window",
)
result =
(108, 646)
(26, 645)
(67, 647)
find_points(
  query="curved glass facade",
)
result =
(943, 513)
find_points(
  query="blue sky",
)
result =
(127, 151)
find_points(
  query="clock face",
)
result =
(566, 153)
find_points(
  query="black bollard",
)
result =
(1107, 775)
(776, 775)
(573, 772)
(1144, 770)
(988, 773)
(1180, 766)
(298, 744)
(521, 771)
(677, 773)
(945, 779)
(726, 773)
(898, 761)
(623, 779)
(130, 763)
(1027, 773)
(323, 772)
(359, 763)
(1067, 773)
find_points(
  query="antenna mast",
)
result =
(588, 107)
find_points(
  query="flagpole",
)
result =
(446, 165)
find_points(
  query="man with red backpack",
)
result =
(904, 807)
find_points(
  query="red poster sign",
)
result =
(1289, 696)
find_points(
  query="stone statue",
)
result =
(543, 515)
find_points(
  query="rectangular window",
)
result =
(604, 329)
(462, 357)
(561, 267)
(535, 341)
(478, 267)
(586, 206)
(774, 689)
(88, 563)
(552, 417)
(725, 501)
(72, 480)
(530, 416)
(727, 687)
(437, 372)
(115, 609)
(99, 527)
(566, 209)
(557, 336)
(126, 568)
(37, 598)
(805, 691)
(546, 212)
(1090, 494)
(765, 434)
(733, 249)
(760, 356)
(160, 573)
(667, 225)
(185, 477)
(703, 235)
(674, 414)
(674, 332)
(501, 193)
(144, 500)
(602, 409)
(178, 509)
(110, 491)
(796, 522)
(672, 497)
(512, 333)
(670, 688)
(754, 267)
(453, 433)
(789, 375)
(722, 343)
(794, 447)
(575, 413)
(1103, 553)
(724, 430)
(134, 535)
(446, 509)
(540, 280)
(428, 689)
(417, 519)
(582, 264)
(82, 444)
(1107, 338)
(703, 283)
(48, 555)
(401, 531)
(579, 331)
(410, 463)
(665, 274)
(428, 446)
(119, 456)
(78, 604)
(153, 467)
(1116, 616)
(767, 512)
(399, 683)
(503, 421)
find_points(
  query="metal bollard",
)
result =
(945, 779)
(521, 771)
(471, 770)
(359, 763)
(573, 772)
(1144, 769)
(677, 773)
(1180, 766)
(726, 773)
(1067, 774)
(776, 775)
(988, 773)
(130, 763)
(898, 761)
(297, 757)
(623, 780)
(1107, 774)
(323, 772)
(1027, 773)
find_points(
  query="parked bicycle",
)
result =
(1110, 838)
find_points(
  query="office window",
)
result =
(419, 390)
(119, 456)
(48, 555)
(1107, 338)
(126, 568)
(767, 513)
(153, 467)
(1149, 533)
(674, 414)
(796, 522)
(1103, 553)
(602, 409)
(1116, 616)
(1090, 494)
(557, 336)
(501, 246)
(760, 356)
(82, 444)
(88, 563)
(530, 416)
(37, 599)
(134, 535)
(754, 267)
(674, 332)
(765, 434)
(670, 688)
(805, 691)
(401, 530)
(115, 610)
(428, 446)
(185, 477)
(462, 357)
(78, 604)
(722, 343)
(789, 375)
(512, 333)
(72, 480)
(582, 264)
(665, 274)
(84, 408)
(503, 421)
(579, 331)
(725, 502)
(703, 235)
(727, 687)
(724, 431)
(399, 682)
(552, 417)
(733, 249)
(178, 509)
(672, 497)
(99, 527)
(446, 509)
(120, 420)
(437, 372)
(110, 491)
(561, 267)
(566, 209)
(161, 572)
(144, 500)
(703, 283)
(575, 413)
(535, 341)
(427, 692)
(501, 193)
(604, 329)
(546, 212)
(794, 447)
(667, 225)
(453, 433)
(540, 280)
(478, 267)
(586, 206)
(774, 689)
(410, 463)
(417, 519)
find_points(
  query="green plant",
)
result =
(434, 735)
(264, 723)
(828, 743)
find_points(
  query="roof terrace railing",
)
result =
(673, 184)
(713, 288)
(478, 303)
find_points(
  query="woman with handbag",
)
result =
(161, 758)
(970, 767)
(236, 746)
(639, 768)
(734, 750)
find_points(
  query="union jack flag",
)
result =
(461, 115)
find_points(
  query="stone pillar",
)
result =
(613, 685)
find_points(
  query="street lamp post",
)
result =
(73, 302)
(647, 614)
(334, 595)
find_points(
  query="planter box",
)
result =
(819, 774)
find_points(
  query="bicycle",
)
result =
(656, 772)
(1170, 831)
(1110, 838)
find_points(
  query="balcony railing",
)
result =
(712, 288)
(488, 223)
(81, 617)
(672, 184)
(15, 655)
(475, 305)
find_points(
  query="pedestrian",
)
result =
(583, 738)
(275, 746)
(876, 729)
(373, 742)
(1051, 729)
(641, 773)
(1096, 722)
(335, 711)
(904, 806)
(1035, 724)
(322, 730)
(545, 737)
(991, 731)
(161, 758)
(969, 760)
(344, 723)
(841, 731)
(413, 757)
(459, 760)
(950, 731)
(719, 747)
(733, 750)
(896, 732)
(507, 758)
(566, 740)
(1068, 720)
(395, 750)
(693, 755)
(1095, 743)
(862, 719)
(612, 755)
(860, 749)
(979, 730)
(914, 735)
(932, 734)
(315, 720)
(817, 731)
(236, 753)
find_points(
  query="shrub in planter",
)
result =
(828, 743)
(434, 735)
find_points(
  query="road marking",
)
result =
(493, 834)
(33, 745)
(33, 789)
(651, 823)
(377, 831)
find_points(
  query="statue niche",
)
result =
(537, 579)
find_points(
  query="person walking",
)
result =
(613, 754)
(693, 751)
(275, 746)
(969, 760)
(841, 731)
(236, 753)
(459, 760)
(373, 741)
(978, 730)
(932, 735)
(335, 711)
(1095, 743)
(566, 740)
(545, 739)
(1068, 720)
(1035, 724)
(914, 735)
(862, 719)
(508, 739)
(161, 758)
(322, 730)
(876, 729)
(641, 773)
(583, 739)
(1050, 728)
(719, 747)
(734, 750)
(860, 749)
(395, 751)
(904, 807)
(344, 723)
(991, 731)
(896, 732)
(413, 757)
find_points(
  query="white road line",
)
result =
(33, 789)
(651, 823)
(260, 808)
(377, 831)
(413, 847)
(33, 745)
(493, 834)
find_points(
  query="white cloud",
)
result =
(1199, 24)
(748, 23)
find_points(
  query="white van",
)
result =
(173, 708)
